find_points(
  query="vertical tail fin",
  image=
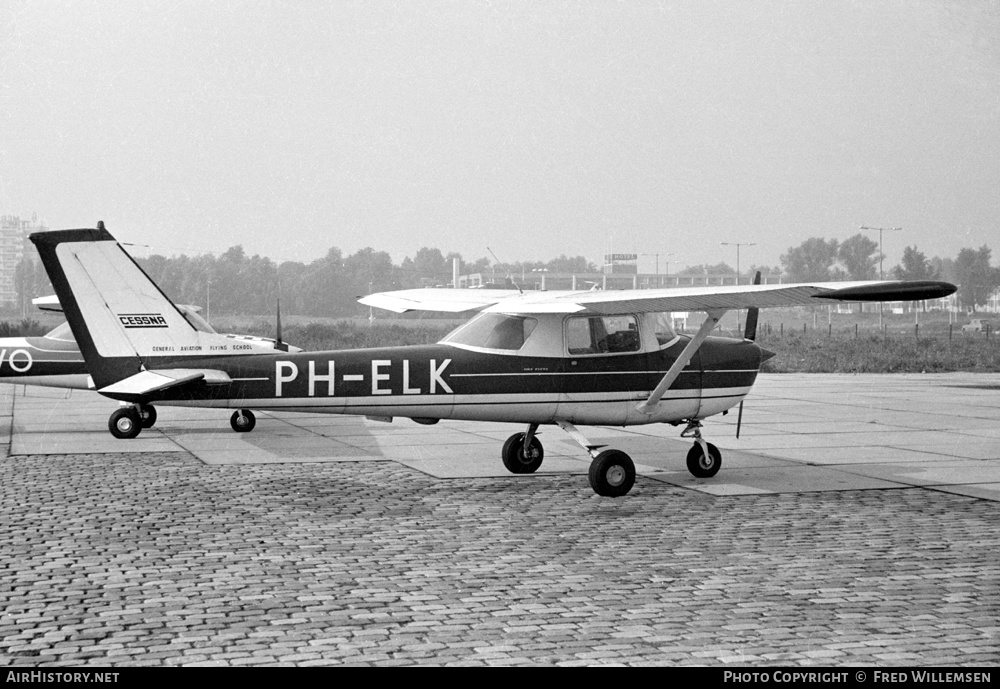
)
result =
(118, 315)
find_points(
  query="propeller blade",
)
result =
(750, 332)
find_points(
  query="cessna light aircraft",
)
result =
(562, 358)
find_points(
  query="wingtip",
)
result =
(910, 290)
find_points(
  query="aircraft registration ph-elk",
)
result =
(600, 358)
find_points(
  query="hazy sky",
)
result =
(536, 128)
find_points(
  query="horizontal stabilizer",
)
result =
(49, 303)
(149, 382)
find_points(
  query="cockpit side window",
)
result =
(494, 331)
(602, 335)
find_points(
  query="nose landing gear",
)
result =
(703, 459)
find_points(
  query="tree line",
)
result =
(234, 283)
(858, 258)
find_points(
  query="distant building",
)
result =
(615, 264)
(13, 247)
(543, 279)
(993, 302)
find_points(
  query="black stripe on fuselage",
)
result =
(445, 371)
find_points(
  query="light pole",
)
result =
(738, 245)
(880, 230)
(657, 262)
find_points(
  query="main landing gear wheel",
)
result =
(243, 421)
(125, 423)
(612, 474)
(521, 461)
(147, 415)
(704, 465)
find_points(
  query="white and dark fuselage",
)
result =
(449, 381)
(52, 360)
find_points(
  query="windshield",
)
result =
(663, 327)
(61, 332)
(196, 321)
(494, 331)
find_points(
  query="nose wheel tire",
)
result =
(125, 423)
(243, 421)
(612, 474)
(519, 460)
(704, 465)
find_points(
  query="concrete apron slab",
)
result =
(860, 432)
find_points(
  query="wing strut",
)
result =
(649, 406)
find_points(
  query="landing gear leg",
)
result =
(704, 459)
(523, 453)
(612, 473)
(243, 421)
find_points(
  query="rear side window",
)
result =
(602, 335)
(494, 331)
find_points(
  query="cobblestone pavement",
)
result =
(159, 559)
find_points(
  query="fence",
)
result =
(934, 331)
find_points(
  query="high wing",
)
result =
(670, 299)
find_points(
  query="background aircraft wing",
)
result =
(671, 299)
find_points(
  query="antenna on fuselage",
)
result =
(509, 276)
(749, 334)
(279, 344)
